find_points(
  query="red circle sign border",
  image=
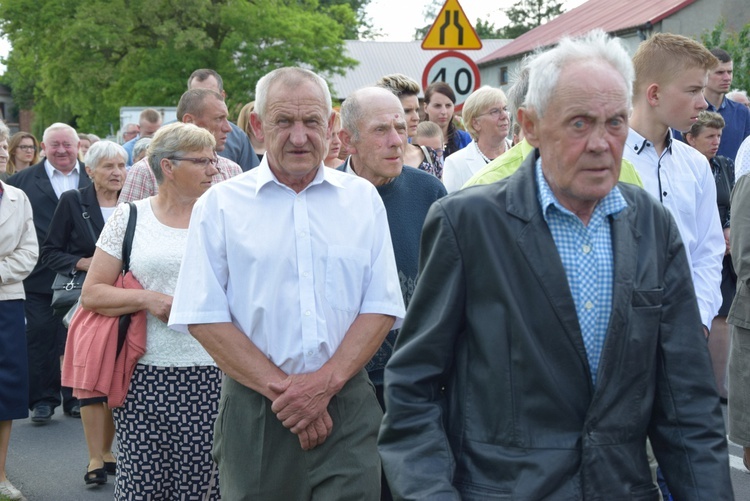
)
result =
(451, 53)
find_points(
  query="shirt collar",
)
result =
(266, 176)
(51, 170)
(721, 106)
(611, 205)
(640, 144)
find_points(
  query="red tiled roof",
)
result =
(610, 15)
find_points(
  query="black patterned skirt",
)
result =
(165, 433)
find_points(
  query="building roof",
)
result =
(613, 16)
(383, 58)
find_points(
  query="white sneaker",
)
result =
(10, 492)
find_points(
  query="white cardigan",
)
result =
(19, 249)
(462, 165)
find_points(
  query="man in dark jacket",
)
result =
(43, 183)
(551, 330)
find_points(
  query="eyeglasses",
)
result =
(495, 112)
(27, 147)
(203, 161)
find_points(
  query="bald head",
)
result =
(373, 129)
(361, 103)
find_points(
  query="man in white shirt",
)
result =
(671, 72)
(289, 282)
(43, 183)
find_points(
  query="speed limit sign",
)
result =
(455, 69)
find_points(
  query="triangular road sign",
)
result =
(452, 30)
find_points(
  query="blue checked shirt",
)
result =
(586, 254)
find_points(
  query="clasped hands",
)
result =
(302, 406)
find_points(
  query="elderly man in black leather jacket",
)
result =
(553, 327)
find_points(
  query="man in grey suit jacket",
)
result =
(553, 327)
(45, 335)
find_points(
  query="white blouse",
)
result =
(155, 262)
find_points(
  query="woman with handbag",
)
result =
(68, 249)
(165, 426)
(18, 254)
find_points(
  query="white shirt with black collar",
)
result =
(681, 179)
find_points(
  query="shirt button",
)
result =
(306, 274)
(302, 233)
(586, 249)
(309, 353)
(588, 305)
(307, 313)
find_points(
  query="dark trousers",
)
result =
(260, 459)
(45, 340)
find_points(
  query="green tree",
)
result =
(79, 62)
(429, 13)
(352, 14)
(526, 15)
(487, 30)
(737, 43)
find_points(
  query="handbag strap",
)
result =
(127, 243)
(86, 216)
(427, 155)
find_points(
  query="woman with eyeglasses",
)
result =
(24, 152)
(422, 157)
(165, 427)
(486, 118)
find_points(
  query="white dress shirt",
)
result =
(62, 182)
(681, 178)
(290, 270)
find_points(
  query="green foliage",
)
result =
(352, 14)
(738, 46)
(487, 30)
(429, 13)
(79, 62)
(526, 15)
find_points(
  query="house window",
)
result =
(504, 75)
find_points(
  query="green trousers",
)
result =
(259, 459)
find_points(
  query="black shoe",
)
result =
(111, 467)
(74, 411)
(97, 476)
(42, 414)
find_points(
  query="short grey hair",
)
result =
(104, 150)
(290, 77)
(4, 131)
(141, 146)
(520, 87)
(479, 100)
(175, 140)
(545, 69)
(735, 93)
(60, 126)
(353, 109)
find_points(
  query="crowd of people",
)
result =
(304, 312)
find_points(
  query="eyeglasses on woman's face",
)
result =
(202, 161)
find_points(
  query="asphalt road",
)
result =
(48, 463)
